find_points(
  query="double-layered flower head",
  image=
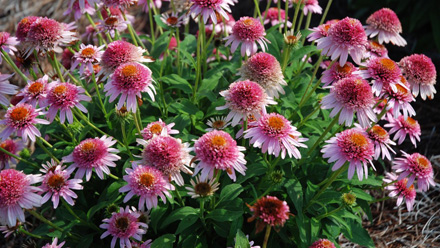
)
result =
(264, 69)
(111, 24)
(80, 7)
(421, 75)
(384, 72)
(35, 92)
(385, 24)
(401, 189)
(217, 150)
(404, 126)
(375, 50)
(311, 6)
(122, 4)
(21, 118)
(129, 80)
(17, 193)
(87, 56)
(12, 146)
(353, 146)
(93, 153)
(148, 183)
(7, 43)
(415, 166)
(169, 155)
(275, 135)
(244, 98)
(349, 96)
(247, 31)
(269, 210)
(153, 4)
(382, 142)
(337, 72)
(273, 16)
(322, 243)
(399, 98)
(56, 184)
(64, 97)
(158, 128)
(6, 88)
(211, 9)
(24, 26)
(345, 37)
(123, 225)
(321, 31)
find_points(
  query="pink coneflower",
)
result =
(375, 50)
(321, 31)
(56, 184)
(274, 134)
(122, 4)
(21, 118)
(337, 72)
(146, 244)
(311, 6)
(54, 244)
(24, 26)
(87, 56)
(401, 190)
(123, 225)
(349, 96)
(385, 24)
(202, 188)
(6, 88)
(345, 37)
(46, 34)
(400, 98)
(35, 92)
(404, 126)
(273, 18)
(89, 34)
(148, 183)
(120, 52)
(93, 153)
(169, 155)
(217, 123)
(269, 210)
(157, 128)
(247, 31)
(421, 74)
(172, 20)
(12, 146)
(129, 80)
(64, 97)
(17, 193)
(264, 69)
(7, 43)
(211, 9)
(66, 58)
(217, 150)
(244, 98)
(353, 146)
(416, 166)
(384, 72)
(322, 243)
(112, 24)
(382, 142)
(80, 7)
(153, 4)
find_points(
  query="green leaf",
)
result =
(358, 234)
(160, 45)
(360, 194)
(241, 241)
(164, 241)
(178, 214)
(86, 241)
(156, 216)
(160, 22)
(230, 192)
(187, 222)
(222, 215)
(294, 190)
(177, 82)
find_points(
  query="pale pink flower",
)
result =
(80, 7)
(264, 69)
(12, 146)
(112, 24)
(385, 24)
(274, 134)
(6, 88)
(248, 31)
(337, 72)
(273, 18)
(402, 127)
(64, 97)
(375, 50)
(244, 98)
(269, 210)
(353, 146)
(129, 80)
(54, 244)
(401, 190)
(217, 123)
(322, 243)
(172, 20)
(421, 74)
(311, 6)
(7, 43)
(384, 72)
(399, 98)
(35, 92)
(56, 184)
(87, 56)
(349, 96)
(202, 188)
(93, 153)
(123, 225)
(321, 31)
(153, 4)
(217, 150)
(17, 193)
(158, 128)
(21, 118)
(382, 142)
(345, 37)
(148, 183)
(415, 166)
(211, 9)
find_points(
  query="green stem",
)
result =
(179, 198)
(199, 57)
(257, 8)
(381, 114)
(330, 213)
(130, 29)
(101, 39)
(279, 15)
(136, 123)
(286, 16)
(311, 81)
(9, 60)
(90, 224)
(55, 63)
(325, 12)
(308, 116)
(21, 229)
(267, 234)
(150, 16)
(46, 151)
(19, 158)
(100, 101)
(113, 176)
(295, 16)
(124, 138)
(44, 220)
(335, 120)
(33, 74)
(267, 8)
(178, 62)
(286, 56)
(309, 19)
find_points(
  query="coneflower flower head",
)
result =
(375, 50)
(415, 166)
(321, 31)
(264, 69)
(345, 37)
(158, 128)
(273, 18)
(24, 26)
(211, 9)
(401, 189)
(122, 4)
(337, 72)
(202, 188)
(35, 92)
(385, 24)
(12, 146)
(111, 24)
(7, 43)
(54, 244)
(402, 127)
(323, 243)
(80, 7)
(6, 88)
(248, 31)
(421, 74)
(382, 142)
(87, 56)
(217, 123)
(399, 98)
(384, 72)
(244, 98)
(311, 6)
(269, 210)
